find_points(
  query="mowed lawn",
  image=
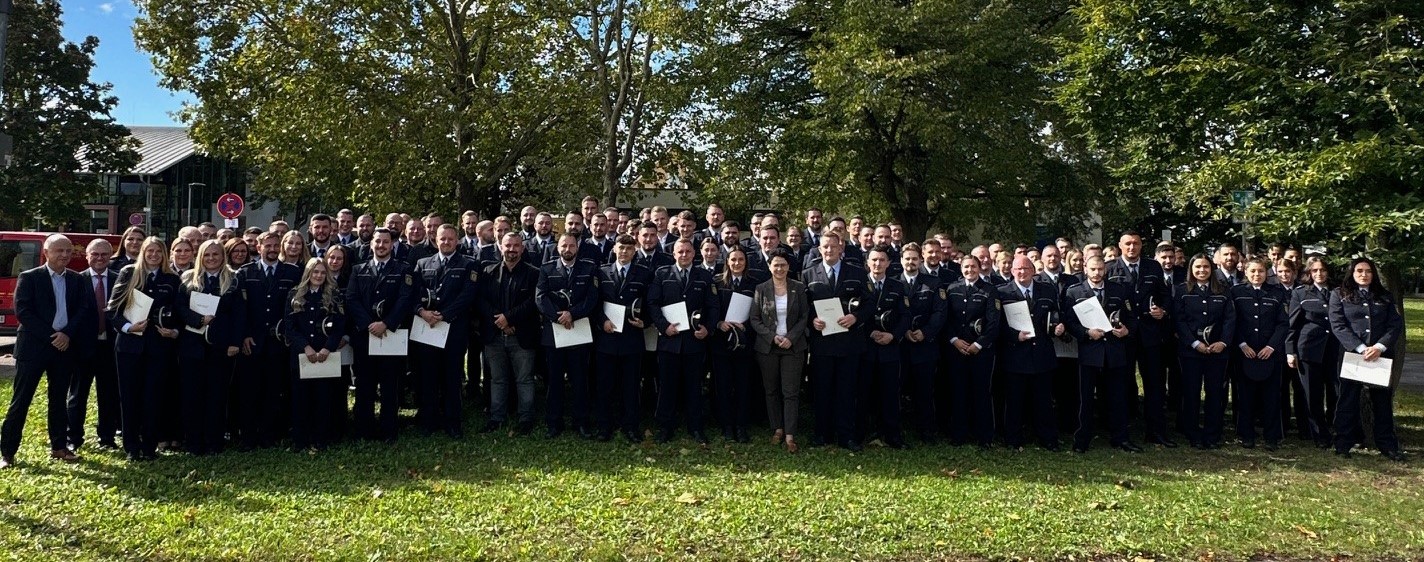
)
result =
(530, 498)
(1414, 324)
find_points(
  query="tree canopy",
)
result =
(58, 118)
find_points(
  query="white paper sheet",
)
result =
(650, 339)
(581, 333)
(739, 309)
(203, 304)
(1019, 317)
(394, 344)
(615, 313)
(137, 310)
(830, 310)
(1374, 373)
(1091, 315)
(423, 332)
(200, 331)
(676, 314)
(324, 370)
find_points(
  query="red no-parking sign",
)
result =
(230, 205)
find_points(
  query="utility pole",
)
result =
(7, 143)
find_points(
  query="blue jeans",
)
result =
(508, 360)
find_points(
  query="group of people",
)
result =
(225, 338)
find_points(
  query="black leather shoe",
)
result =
(605, 436)
(1396, 456)
(1200, 445)
(553, 432)
(585, 433)
(700, 437)
(853, 446)
(524, 428)
(108, 444)
(743, 436)
(490, 427)
(1162, 440)
(1345, 454)
(1273, 445)
(728, 435)
(633, 437)
(664, 436)
(1129, 447)
(1080, 449)
(1248, 444)
(816, 441)
(1051, 447)
(895, 443)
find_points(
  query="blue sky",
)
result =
(119, 62)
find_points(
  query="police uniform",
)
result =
(205, 367)
(143, 359)
(880, 364)
(1065, 372)
(452, 285)
(419, 251)
(1028, 366)
(574, 289)
(1102, 363)
(1203, 316)
(732, 369)
(1317, 355)
(620, 354)
(378, 293)
(973, 317)
(1144, 280)
(262, 382)
(1358, 320)
(920, 360)
(681, 358)
(316, 325)
(1260, 323)
(835, 359)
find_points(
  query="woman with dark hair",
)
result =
(314, 317)
(128, 250)
(144, 348)
(1364, 318)
(1206, 325)
(238, 253)
(208, 349)
(779, 316)
(731, 347)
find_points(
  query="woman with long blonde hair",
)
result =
(314, 320)
(144, 348)
(294, 249)
(180, 255)
(208, 348)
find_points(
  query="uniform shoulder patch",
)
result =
(943, 294)
(714, 288)
(595, 281)
(998, 305)
(409, 280)
(907, 302)
(473, 276)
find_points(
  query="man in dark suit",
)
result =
(54, 308)
(567, 292)
(378, 301)
(880, 365)
(1150, 298)
(444, 289)
(928, 312)
(96, 356)
(649, 252)
(1028, 361)
(1227, 258)
(682, 350)
(1102, 355)
(622, 282)
(835, 358)
(264, 365)
(510, 324)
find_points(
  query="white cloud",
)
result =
(107, 7)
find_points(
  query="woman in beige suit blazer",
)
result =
(779, 318)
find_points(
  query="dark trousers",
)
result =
(833, 388)
(1150, 365)
(621, 372)
(920, 377)
(1321, 381)
(1065, 394)
(1206, 373)
(1347, 416)
(140, 375)
(1294, 403)
(441, 371)
(311, 407)
(1024, 392)
(680, 374)
(1267, 393)
(476, 380)
(730, 387)
(879, 399)
(96, 370)
(58, 367)
(263, 406)
(971, 380)
(204, 384)
(377, 375)
(1109, 382)
(570, 362)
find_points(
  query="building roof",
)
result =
(161, 148)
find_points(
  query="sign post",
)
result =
(230, 206)
(1241, 203)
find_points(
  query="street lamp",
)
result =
(189, 212)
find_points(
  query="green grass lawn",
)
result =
(1414, 325)
(535, 499)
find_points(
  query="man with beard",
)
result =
(444, 288)
(567, 292)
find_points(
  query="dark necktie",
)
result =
(1133, 269)
(832, 276)
(380, 267)
(321, 252)
(153, 277)
(101, 298)
(736, 283)
(212, 285)
(1099, 294)
(878, 286)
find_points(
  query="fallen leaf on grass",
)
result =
(377, 493)
(621, 501)
(189, 515)
(688, 498)
(1307, 533)
(1126, 484)
(951, 474)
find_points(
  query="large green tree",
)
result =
(58, 118)
(933, 112)
(1315, 104)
